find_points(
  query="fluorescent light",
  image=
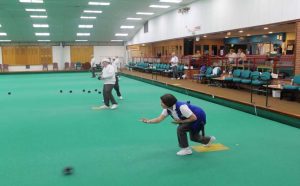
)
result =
(226, 37)
(0, 25)
(31, 1)
(204, 36)
(39, 16)
(35, 10)
(5, 40)
(80, 40)
(85, 26)
(121, 34)
(93, 11)
(83, 34)
(266, 28)
(3, 34)
(170, 1)
(144, 13)
(126, 27)
(42, 34)
(159, 6)
(270, 32)
(116, 40)
(40, 25)
(134, 18)
(248, 34)
(87, 17)
(99, 3)
(241, 31)
(44, 40)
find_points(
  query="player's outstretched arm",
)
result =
(154, 120)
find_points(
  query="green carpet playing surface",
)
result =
(42, 131)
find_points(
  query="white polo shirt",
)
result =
(108, 75)
(184, 109)
(93, 62)
(174, 61)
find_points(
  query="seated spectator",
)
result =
(197, 55)
(231, 56)
(231, 59)
(241, 56)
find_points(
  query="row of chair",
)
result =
(161, 68)
(247, 77)
(207, 73)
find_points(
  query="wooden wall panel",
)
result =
(81, 54)
(27, 55)
(164, 48)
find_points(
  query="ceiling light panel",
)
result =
(134, 18)
(44, 40)
(88, 17)
(83, 34)
(99, 3)
(42, 34)
(3, 34)
(85, 26)
(121, 34)
(35, 10)
(5, 40)
(170, 1)
(116, 40)
(144, 13)
(39, 16)
(31, 1)
(81, 40)
(127, 27)
(93, 11)
(40, 25)
(159, 6)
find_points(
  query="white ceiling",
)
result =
(64, 18)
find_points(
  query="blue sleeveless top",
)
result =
(200, 114)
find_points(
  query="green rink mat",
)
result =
(42, 131)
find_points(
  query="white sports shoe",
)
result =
(212, 139)
(100, 107)
(114, 106)
(184, 151)
(120, 97)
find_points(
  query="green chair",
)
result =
(261, 85)
(202, 77)
(78, 66)
(253, 76)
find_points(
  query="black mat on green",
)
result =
(42, 131)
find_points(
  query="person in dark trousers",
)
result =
(174, 63)
(93, 66)
(116, 65)
(109, 80)
(190, 119)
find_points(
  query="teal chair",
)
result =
(261, 85)
(216, 72)
(253, 76)
(245, 74)
(229, 80)
(207, 72)
(78, 66)
(236, 74)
